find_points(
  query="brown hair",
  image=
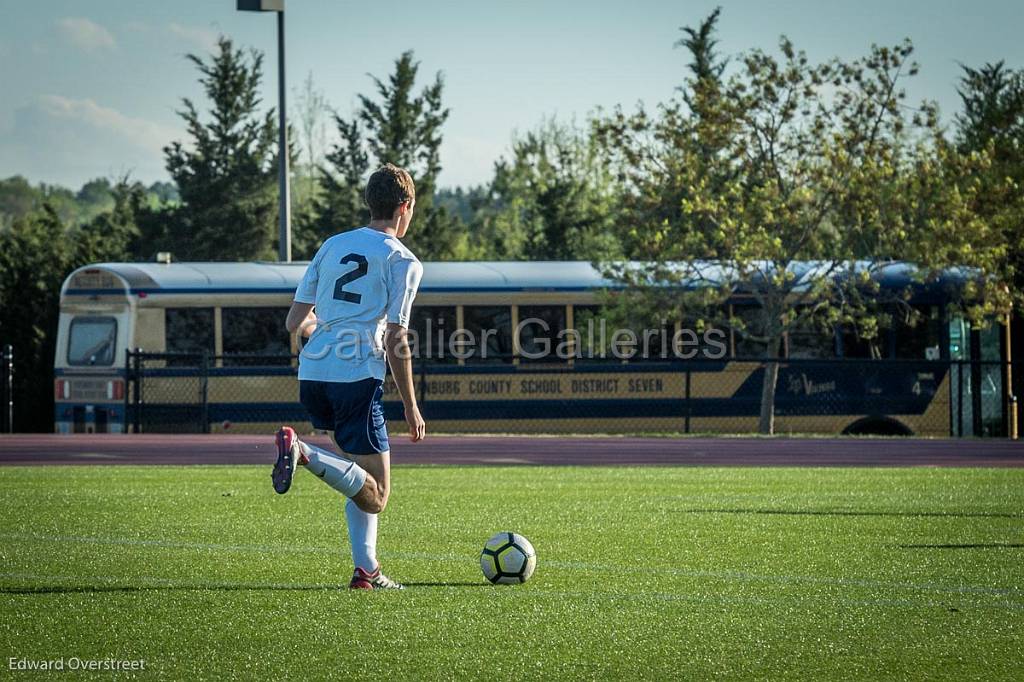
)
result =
(388, 188)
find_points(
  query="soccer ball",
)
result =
(508, 558)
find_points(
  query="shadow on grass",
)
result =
(840, 512)
(240, 587)
(452, 584)
(990, 545)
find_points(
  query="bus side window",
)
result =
(812, 340)
(855, 346)
(540, 326)
(189, 330)
(255, 332)
(434, 325)
(752, 318)
(491, 327)
(586, 319)
(916, 334)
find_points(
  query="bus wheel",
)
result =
(877, 426)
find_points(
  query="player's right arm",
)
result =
(301, 317)
(396, 343)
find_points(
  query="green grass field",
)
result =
(643, 573)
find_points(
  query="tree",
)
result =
(95, 197)
(312, 113)
(822, 164)
(35, 257)
(553, 199)
(17, 199)
(226, 177)
(113, 236)
(992, 124)
(163, 193)
(339, 204)
(400, 127)
(993, 111)
(651, 151)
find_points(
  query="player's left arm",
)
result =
(396, 344)
(403, 283)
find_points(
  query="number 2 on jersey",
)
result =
(339, 286)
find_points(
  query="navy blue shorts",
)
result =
(353, 410)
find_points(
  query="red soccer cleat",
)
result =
(289, 455)
(361, 580)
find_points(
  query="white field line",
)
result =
(738, 576)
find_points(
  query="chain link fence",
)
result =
(196, 393)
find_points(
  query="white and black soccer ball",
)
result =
(508, 559)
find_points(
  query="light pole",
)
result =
(284, 249)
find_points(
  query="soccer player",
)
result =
(354, 303)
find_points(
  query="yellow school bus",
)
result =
(202, 347)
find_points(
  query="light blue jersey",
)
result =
(359, 281)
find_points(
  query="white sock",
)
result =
(342, 474)
(362, 535)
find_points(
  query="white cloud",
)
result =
(65, 140)
(199, 36)
(86, 35)
(137, 131)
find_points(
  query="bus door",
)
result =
(976, 380)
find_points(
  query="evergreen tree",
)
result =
(992, 123)
(35, 257)
(651, 150)
(227, 176)
(553, 199)
(993, 111)
(340, 204)
(393, 126)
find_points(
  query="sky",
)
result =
(91, 89)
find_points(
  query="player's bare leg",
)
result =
(375, 492)
(361, 515)
(364, 479)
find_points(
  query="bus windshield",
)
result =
(92, 341)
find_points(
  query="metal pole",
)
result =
(284, 251)
(9, 385)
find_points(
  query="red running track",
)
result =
(245, 449)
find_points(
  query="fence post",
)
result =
(689, 409)
(137, 372)
(128, 388)
(1011, 431)
(8, 388)
(205, 393)
(960, 399)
